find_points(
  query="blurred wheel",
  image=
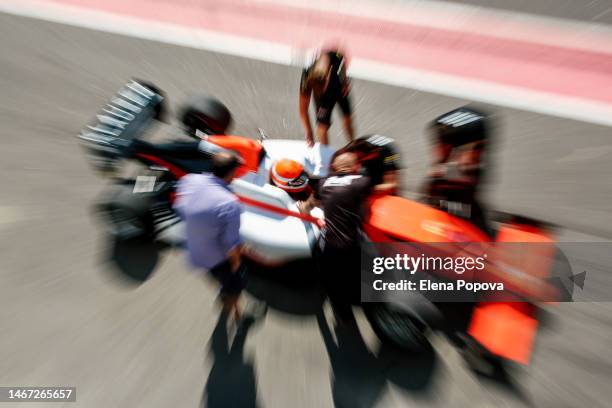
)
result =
(123, 224)
(206, 114)
(397, 327)
(125, 215)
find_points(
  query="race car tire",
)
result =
(125, 214)
(206, 114)
(397, 328)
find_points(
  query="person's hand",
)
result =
(320, 223)
(309, 138)
(235, 257)
(437, 171)
(302, 207)
(247, 250)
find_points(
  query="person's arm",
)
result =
(390, 183)
(313, 200)
(348, 127)
(345, 104)
(305, 118)
(235, 257)
(304, 104)
(307, 205)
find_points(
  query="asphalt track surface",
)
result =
(66, 319)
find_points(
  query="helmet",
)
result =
(461, 126)
(289, 175)
(205, 114)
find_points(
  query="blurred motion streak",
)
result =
(62, 324)
(564, 72)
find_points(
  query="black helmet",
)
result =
(206, 114)
(461, 126)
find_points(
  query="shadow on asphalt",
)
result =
(501, 376)
(131, 262)
(359, 376)
(293, 289)
(232, 381)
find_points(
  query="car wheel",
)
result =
(125, 215)
(205, 113)
(396, 327)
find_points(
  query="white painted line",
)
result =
(150, 30)
(427, 81)
(482, 91)
(512, 25)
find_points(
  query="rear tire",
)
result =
(397, 328)
(126, 215)
(206, 114)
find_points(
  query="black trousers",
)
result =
(340, 269)
(232, 283)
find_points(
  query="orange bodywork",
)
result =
(506, 329)
(250, 150)
(393, 218)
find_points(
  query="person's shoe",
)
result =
(252, 313)
(244, 324)
(255, 310)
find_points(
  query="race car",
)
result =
(140, 207)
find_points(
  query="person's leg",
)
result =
(322, 132)
(334, 277)
(347, 117)
(324, 111)
(231, 306)
(347, 122)
(232, 284)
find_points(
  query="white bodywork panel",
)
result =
(275, 238)
(315, 159)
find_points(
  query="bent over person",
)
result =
(211, 212)
(325, 80)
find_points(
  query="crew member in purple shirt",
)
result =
(211, 212)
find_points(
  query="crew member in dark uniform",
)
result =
(341, 196)
(327, 81)
(460, 139)
(380, 161)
